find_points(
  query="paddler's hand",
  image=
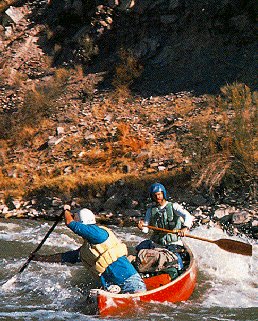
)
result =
(68, 215)
(142, 226)
(183, 231)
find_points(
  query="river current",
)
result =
(226, 287)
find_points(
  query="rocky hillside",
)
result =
(69, 132)
(184, 45)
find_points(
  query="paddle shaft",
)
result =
(176, 231)
(40, 244)
(225, 244)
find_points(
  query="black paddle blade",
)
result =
(235, 246)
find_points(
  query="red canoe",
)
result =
(160, 288)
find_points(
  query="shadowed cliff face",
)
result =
(190, 45)
(183, 45)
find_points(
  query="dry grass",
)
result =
(83, 184)
(99, 111)
(86, 185)
(125, 144)
(87, 49)
(12, 180)
(126, 72)
(227, 145)
(217, 138)
(214, 172)
(184, 106)
(26, 136)
(80, 184)
(95, 156)
(129, 141)
(40, 102)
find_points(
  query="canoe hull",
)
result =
(174, 291)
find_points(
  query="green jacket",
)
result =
(164, 218)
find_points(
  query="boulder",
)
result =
(241, 217)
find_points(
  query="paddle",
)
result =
(30, 258)
(225, 244)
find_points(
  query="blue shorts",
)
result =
(133, 284)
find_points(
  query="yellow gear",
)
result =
(98, 257)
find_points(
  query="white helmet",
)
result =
(85, 216)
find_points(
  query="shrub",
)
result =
(41, 101)
(11, 78)
(126, 72)
(61, 77)
(6, 125)
(226, 149)
(127, 141)
(87, 49)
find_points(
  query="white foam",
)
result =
(9, 226)
(225, 279)
(35, 234)
(232, 277)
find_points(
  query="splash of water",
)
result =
(230, 277)
(226, 279)
(10, 284)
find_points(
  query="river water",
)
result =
(226, 288)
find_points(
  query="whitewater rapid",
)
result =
(226, 281)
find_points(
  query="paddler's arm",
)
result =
(186, 216)
(142, 224)
(92, 233)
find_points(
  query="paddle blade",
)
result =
(235, 246)
(9, 285)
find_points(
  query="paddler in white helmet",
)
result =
(103, 253)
